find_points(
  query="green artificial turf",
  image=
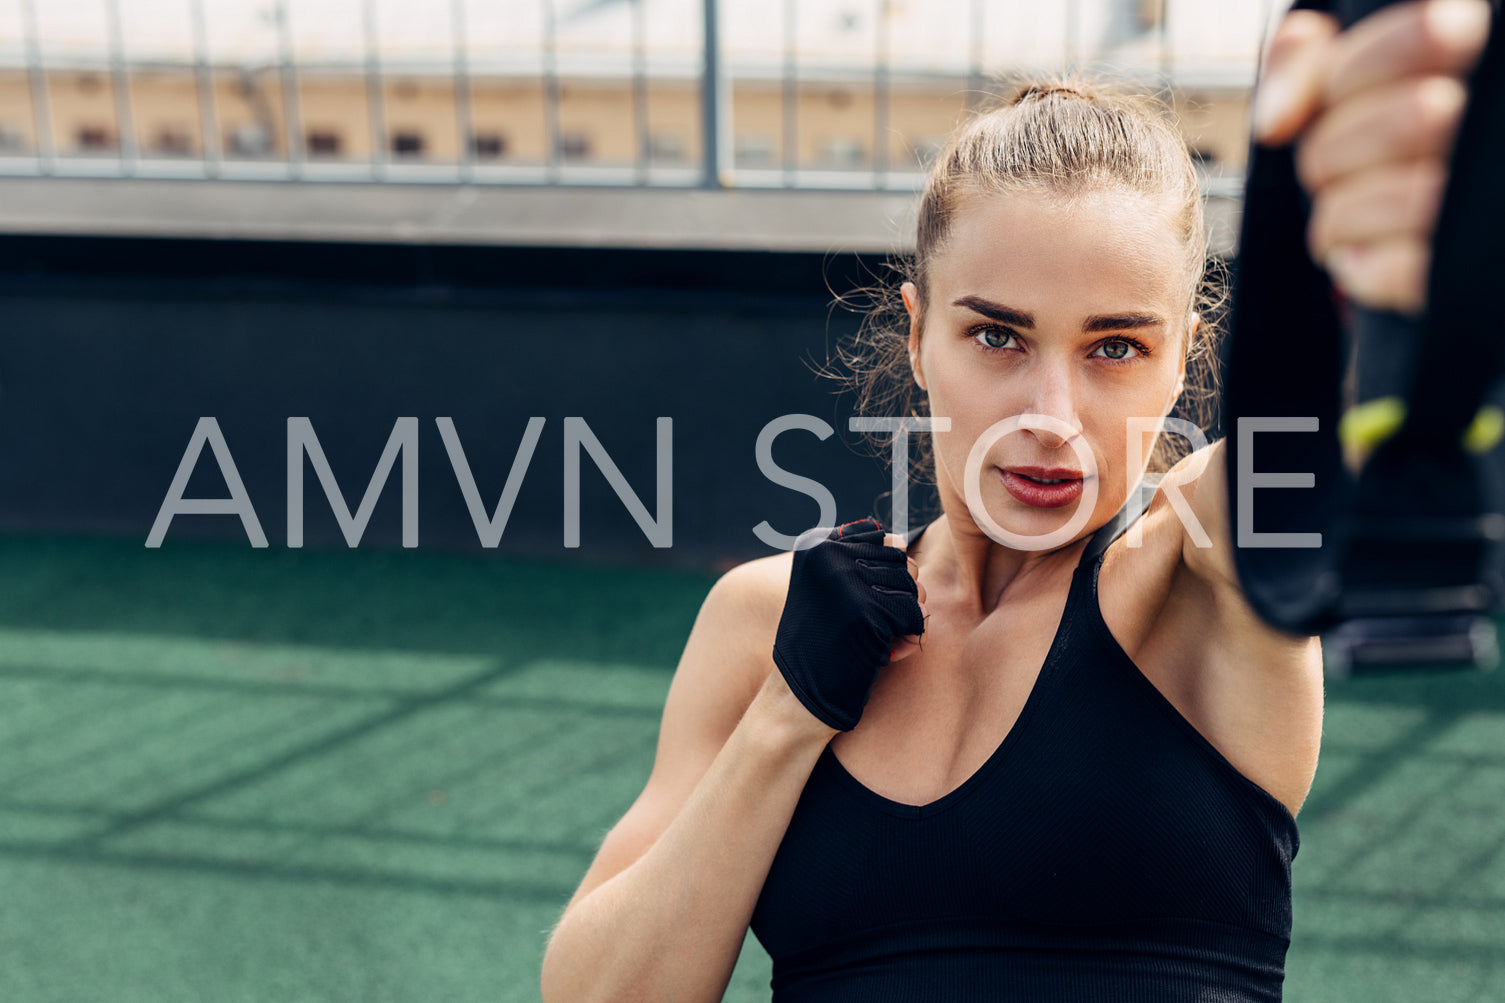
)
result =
(249, 775)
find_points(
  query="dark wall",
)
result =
(114, 348)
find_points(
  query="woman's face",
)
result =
(1070, 318)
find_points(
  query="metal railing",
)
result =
(287, 155)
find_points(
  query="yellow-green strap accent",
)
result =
(1364, 426)
(1485, 430)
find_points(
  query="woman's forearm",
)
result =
(670, 927)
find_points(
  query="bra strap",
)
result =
(1139, 500)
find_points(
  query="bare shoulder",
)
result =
(750, 596)
(725, 662)
(1207, 558)
(1201, 479)
(730, 649)
(1186, 528)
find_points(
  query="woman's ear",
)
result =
(911, 294)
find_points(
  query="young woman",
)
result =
(1007, 758)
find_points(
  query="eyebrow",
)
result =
(1097, 322)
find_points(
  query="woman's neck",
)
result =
(976, 571)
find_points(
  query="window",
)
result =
(172, 141)
(843, 153)
(95, 138)
(12, 139)
(574, 146)
(407, 143)
(248, 141)
(488, 145)
(1203, 157)
(323, 143)
(666, 148)
(754, 150)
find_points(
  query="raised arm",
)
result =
(1373, 113)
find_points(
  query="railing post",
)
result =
(715, 108)
(550, 83)
(975, 56)
(376, 106)
(292, 125)
(46, 140)
(881, 95)
(126, 146)
(464, 122)
(210, 149)
(790, 109)
(640, 131)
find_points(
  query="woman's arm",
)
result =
(1253, 691)
(662, 913)
(1373, 112)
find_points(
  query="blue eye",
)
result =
(1122, 349)
(992, 337)
(1119, 351)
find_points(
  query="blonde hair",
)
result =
(1059, 137)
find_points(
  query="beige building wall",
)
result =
(1216, 125)
(834, 123)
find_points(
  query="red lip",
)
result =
(1042, 495)
(1048, 473)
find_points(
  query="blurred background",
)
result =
(375, 766)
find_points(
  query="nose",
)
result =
(1046, 436)
(1052, 414)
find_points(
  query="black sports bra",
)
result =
(1105, 851)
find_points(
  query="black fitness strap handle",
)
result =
(1409, 565)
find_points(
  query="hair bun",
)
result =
(1046, 90)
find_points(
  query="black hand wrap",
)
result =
(850, 596)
